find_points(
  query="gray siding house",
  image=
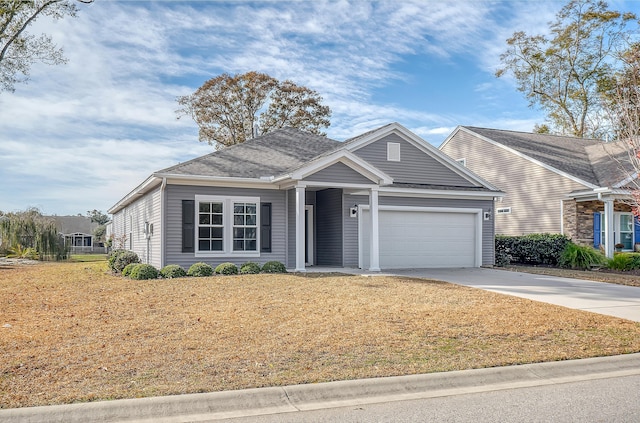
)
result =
(553, 184)
(384, 199)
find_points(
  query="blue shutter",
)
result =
(636, 230)
(596, 230)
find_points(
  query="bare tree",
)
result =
(19, 49)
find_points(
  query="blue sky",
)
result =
(80, 136)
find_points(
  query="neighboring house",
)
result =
(78, 233)
(553, 184)
(385, 199)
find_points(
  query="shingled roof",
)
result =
(590, 160)
(275, 153)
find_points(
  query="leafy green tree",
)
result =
(230, 109)
(19, 49)
(98, 217)
(564, 74)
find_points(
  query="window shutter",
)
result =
(265, 227)
(188, 228)
(596, 230)
(636, 230)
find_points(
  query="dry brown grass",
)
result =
(79, 334)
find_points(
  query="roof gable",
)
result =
(420, 162)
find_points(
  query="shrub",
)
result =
(143, 271)
(580, 257)
(274, 267)
(624, 261)
(249, 268)
(227, 269)
(171, 271)
(119, 259)
(200, 269)
(126, 272)
(530, 249)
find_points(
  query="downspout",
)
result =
(163, 198)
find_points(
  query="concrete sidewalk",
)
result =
(290, 399)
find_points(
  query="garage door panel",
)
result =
(423, 239)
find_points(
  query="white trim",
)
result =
(309, 234)
(519, 154)
(462, 161)
(300, 235)
(341, 156)
(227, 226)
(374, 238)
(435, 193)
(478, 229)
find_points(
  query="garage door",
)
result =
(422, 239)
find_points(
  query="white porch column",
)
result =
(374, 254)
(608, 227)
(300, 228)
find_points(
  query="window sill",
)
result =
(226, 254)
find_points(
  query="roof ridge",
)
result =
(533, 133)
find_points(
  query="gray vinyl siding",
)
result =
(130, 223)
(176, 193)
(351, 224)
(415, 166)
(533, 192)
(350, 229)
(329, 222)
(338, 173)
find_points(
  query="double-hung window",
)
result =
(227, 225)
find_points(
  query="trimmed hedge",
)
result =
(274, 267)
(143, 271)
(249, 268)
(119, 259)
(200, 269)
(532, 249)
(227, 269)
(171, 271)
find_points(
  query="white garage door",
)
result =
(422, 239)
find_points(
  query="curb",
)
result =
(286, 399)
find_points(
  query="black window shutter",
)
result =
(188, 229)
(265, 227)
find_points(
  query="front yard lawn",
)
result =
(70, 332)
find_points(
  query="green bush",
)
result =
(200, 269)
(581, 257)
(532, 249)
(126, 272)
(171, 271)
(227, 269)
(249, 268)
(119, 259)
(624, 261)
(274, 267)
(143, 271)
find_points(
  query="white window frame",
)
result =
(393, 151)
(227, 225)
(617, 232)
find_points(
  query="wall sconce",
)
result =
(353, 211)
(487, 215)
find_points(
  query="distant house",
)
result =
(384, 199)
(78, 233)
(553, 184)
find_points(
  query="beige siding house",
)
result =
(553, 184)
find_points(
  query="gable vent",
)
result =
(393, 151)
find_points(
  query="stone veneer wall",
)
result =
(578, 218)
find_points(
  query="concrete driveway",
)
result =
(597, 297)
